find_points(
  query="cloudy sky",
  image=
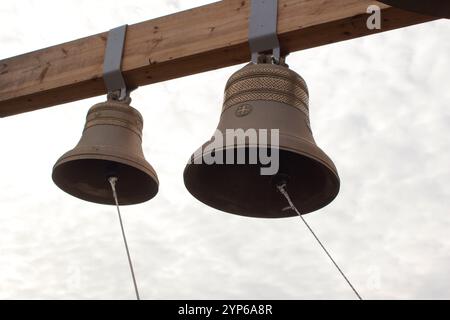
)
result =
(380, 109)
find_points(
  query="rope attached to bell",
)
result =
(113, 182)
(282, 188)
(119, 92)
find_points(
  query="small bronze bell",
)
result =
(264, 97)
(111, 145)
(436, 8)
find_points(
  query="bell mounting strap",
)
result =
(263, 29)
(112, 65)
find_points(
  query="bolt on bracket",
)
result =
(263, 29)
(112, 65)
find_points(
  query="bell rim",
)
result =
(333, 174)
(283, 147)
(104, 156)
(149, 171)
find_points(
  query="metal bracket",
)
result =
(112, 66)
(263, 29)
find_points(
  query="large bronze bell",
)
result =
(265, 96)
(111, 146)
(437, 8)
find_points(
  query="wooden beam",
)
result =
(189, 42)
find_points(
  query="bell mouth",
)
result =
(86, 177)
(242, 190)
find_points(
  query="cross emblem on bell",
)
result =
(244, 110)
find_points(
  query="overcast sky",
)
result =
(380, 109)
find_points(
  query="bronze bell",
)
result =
(111, 146)
(437, 8)
(264, 96)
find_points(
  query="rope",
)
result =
(113, 181)
(283, 191)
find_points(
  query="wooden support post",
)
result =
(197, 40)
